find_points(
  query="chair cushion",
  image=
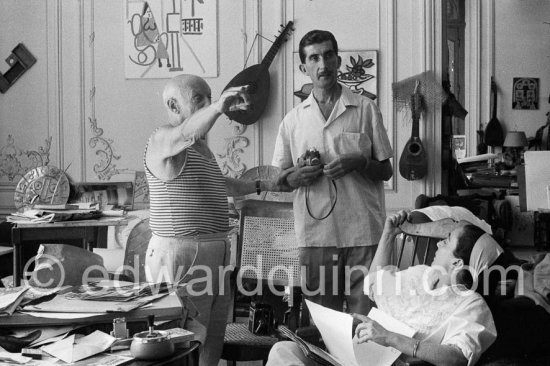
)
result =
(238, 334)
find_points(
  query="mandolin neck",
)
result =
(415, 127)
(268, 58)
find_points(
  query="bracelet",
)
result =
(415, 348)
(258, 188)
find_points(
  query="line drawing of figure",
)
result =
(146, 37)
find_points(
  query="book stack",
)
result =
(476, 163)
(479, 173)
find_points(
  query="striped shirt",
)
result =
(195, 202)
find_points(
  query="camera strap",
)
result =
(331, 208)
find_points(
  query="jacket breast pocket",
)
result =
(352, 143)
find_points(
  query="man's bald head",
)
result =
(183, 95)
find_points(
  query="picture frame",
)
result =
(458, 144)
(525, 93)
(163, 38)
(358, 71)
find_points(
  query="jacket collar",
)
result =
(347, 97)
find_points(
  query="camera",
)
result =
(261, 319)
(312, 157)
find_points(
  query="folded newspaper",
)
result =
(313, 352)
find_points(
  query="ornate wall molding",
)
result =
(230, 161)
(104, 169)
(15, 162)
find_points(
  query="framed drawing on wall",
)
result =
(526, 93)
(164, 38)
(358, 71)
(459, 146)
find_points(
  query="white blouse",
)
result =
(448, 315)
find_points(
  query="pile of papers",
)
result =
(74, 348)
(108, 291)
(103, 296)
(10, 299)
(14, 297)
(67, 212)
(35, 215)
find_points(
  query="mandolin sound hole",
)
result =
(414, 149)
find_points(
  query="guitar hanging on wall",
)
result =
(257, 77)
(413, 163)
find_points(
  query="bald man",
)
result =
(188, 203)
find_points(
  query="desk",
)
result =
(89, 231)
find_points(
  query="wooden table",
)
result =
(89, 231)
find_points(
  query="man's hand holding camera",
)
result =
(344, 164)
(308, 170)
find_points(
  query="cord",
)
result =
(331, 208)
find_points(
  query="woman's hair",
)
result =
(464, 246)
(313, 37)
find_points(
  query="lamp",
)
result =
(515, 139)
(514, 145)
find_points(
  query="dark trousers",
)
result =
(336, 275)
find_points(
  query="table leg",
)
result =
(88, 240)
(16, 242)
(102, 236)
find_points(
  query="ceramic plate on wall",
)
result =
(42, 185)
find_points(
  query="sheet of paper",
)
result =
(72, 349)
(11, 297)
(13, 358)
(336, 329)
(59, 315)
(47, 334)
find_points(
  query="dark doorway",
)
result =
(453, 79)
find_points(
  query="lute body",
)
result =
(258, 79)
(413, 163)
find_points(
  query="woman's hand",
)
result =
(391, 226)
(369, 330)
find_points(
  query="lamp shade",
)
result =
(515, 139)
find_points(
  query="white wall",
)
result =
(79, 79)
(522, 49)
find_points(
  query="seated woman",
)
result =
(454, 325)
(494, 256)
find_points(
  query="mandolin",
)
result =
(494, 136)
(413, 163)
(257, 77)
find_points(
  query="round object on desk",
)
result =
(42, 185)
(152, 345)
